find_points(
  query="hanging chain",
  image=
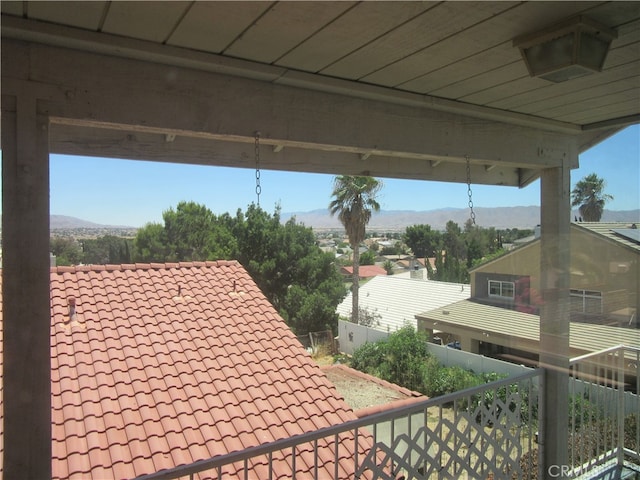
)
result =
(469, 192)
(257, 155)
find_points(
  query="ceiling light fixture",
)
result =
(567, 50)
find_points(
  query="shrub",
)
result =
(399, 359)
(369, 357)
(404, 359)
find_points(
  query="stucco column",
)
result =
(554, 316)
(469, 344)
(25, 290)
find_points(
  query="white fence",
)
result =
(451, 357)
(353, 336)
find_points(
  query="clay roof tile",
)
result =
(170, 363)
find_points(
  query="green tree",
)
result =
(151, 244)
(193, 233)
(368, 258)
(422, 240)
(388, 267)
(354, 202)
(298, 278)
(453, 241)
(450, 261)
(107, 249)
(67, 250)
(589, 196)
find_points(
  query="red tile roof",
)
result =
(365, 271)
(166, 364)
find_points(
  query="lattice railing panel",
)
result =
(484, 440)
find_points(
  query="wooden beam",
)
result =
(84, 141)
(199, 104)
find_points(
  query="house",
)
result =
(604, 281)
(502, 316)
(515, 335)
(159, 365)
(365, 271)
(396, 300)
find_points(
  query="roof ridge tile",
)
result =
(130, 267)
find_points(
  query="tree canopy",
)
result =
(107, 249)
(284, 260)
(456, 250)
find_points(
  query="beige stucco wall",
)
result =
(597, 263)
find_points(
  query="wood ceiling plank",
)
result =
(12, 8)
(481, 65)
(136, 20)
(509, 98)
(615, 14)
(599, 113)
(552, 106)
(213, 26)
(576, 108)
(624, 49)
(283, 27)
(352, 38)
(351, 31)
(501, 24)
(76, 14)
(424, 30)
(484, 61)
(506, 73)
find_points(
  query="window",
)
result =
(586, 301)
(501, 289)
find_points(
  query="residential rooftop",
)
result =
(159, 365)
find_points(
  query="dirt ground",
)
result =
(362, 393)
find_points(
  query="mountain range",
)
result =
(498, 217)
(398, 220)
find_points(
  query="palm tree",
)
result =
(354, 202)
(589, 196)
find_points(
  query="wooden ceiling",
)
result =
(457, 57)
(459, 51)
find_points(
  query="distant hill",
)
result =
(394, 220)
(59, 222)
(498, 217)
(64, 222)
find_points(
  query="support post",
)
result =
(554, 317)
(25, 290)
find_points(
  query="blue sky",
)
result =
(125, 192)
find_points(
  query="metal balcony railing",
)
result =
(604, 413)
(487, 431)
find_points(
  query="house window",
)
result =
(501, 289)
(586, 301)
